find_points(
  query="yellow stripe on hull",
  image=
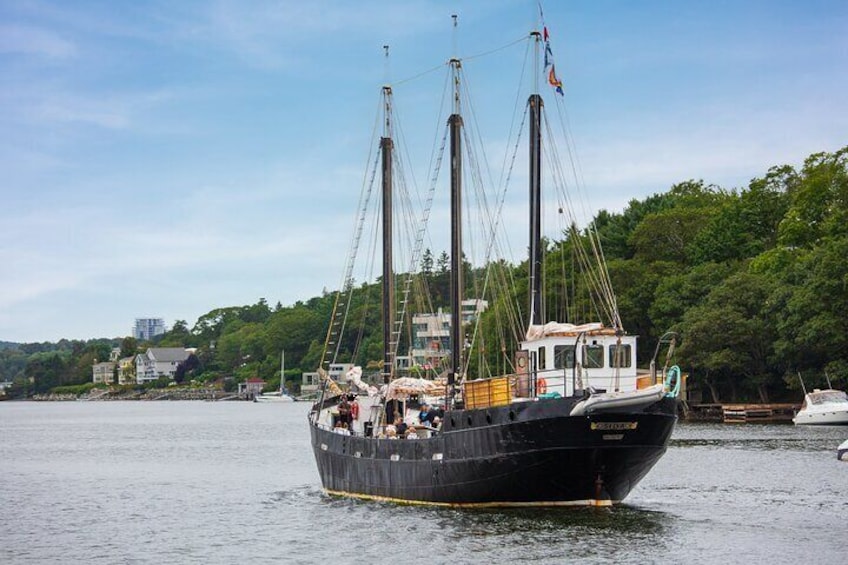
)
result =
(590, 502)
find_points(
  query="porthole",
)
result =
(511, 416)
(470, 422)
(488, 418)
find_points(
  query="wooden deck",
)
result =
(742, 413)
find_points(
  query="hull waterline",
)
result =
(539, 458)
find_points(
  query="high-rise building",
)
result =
(147, 328)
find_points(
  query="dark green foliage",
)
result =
(188, 369)
(754, 280)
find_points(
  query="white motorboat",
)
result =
(842, 451)
(824, 407)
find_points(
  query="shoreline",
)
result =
(146, 395)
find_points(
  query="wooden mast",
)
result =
(455, 127)
(537, 308)
(386, 147)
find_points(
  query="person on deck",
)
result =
(344, 411)
(400, 425)
(354, 411)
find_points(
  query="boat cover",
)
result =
(557, 328)
(354, 376)
(406, 386)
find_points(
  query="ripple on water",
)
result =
(235, 482)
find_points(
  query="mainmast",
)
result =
(455, 127)
(386, 148)
(537, 306)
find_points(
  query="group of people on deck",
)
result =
(430, 415)
(429, 420)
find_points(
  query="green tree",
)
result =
(129, 347)
(667, 235)
(679, 291)
(187, 369)
(729, 338)
(427, 262)
(812, 302)
(45, 371)
(818, 201)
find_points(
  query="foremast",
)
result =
(388, 291)
(455, 128)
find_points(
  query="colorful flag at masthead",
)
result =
(549, 61)
(554, 81)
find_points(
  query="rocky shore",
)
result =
(152, 394)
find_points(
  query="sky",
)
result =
(163, 159)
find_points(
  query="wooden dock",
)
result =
(742, 413)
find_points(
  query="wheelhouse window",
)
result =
(563, 357)
(620, 355)
(541, 359)
(593, 356)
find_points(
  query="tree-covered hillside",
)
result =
(754, 280)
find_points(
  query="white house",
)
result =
(103, 372)
(472, 308)
(310, 384)
(158, 362)
(431, 338)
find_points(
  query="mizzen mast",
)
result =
(537, 307)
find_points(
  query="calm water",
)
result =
(233, 482)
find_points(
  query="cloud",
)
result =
(49, 103)
(275, 35)
(28, 40)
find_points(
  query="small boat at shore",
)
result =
(828, 407)
(842, 451)
(276, 396)
(281, 395)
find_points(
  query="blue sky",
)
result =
(161, 159)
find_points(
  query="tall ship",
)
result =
(504, 407)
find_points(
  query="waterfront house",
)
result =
(126, 370)
(251, 387)
(158, 362)
(103, 372)
(310, 383)
(431, 334)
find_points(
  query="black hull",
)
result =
(525, 454)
